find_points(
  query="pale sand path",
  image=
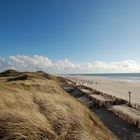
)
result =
(119, 89)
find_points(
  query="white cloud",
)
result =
(36, 62)
(23, 62)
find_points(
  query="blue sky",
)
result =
(82, 31)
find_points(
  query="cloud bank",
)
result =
(36, 62)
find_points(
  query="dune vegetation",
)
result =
(34, 107)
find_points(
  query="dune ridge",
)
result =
(34, 107)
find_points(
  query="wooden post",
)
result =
(129, 97)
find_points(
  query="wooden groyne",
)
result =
(100, 99)
(126, 111)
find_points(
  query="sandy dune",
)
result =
(34, 107)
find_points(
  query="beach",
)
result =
(115, 88)
(119, 117)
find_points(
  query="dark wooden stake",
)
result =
(129, 97)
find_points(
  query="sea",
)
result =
(129, 77)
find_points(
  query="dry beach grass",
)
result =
(34, 107)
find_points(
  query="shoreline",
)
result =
(135, 81)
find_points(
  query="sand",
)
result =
(122, 128)
(119, 89)
(98, 97)
(133, 113)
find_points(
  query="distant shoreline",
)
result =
(126, 77)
